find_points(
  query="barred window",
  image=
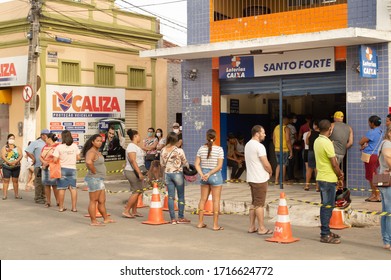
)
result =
(104, 75)
(69, 72)
(136, 78)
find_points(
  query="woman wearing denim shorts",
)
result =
(95, 163)
(67, 153)
(209, 161)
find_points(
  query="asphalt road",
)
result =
(31, 232)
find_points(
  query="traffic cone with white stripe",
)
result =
(337, 219)
(155, 216)
(208, 208)
(282, 228)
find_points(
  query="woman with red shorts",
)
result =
(370, 145)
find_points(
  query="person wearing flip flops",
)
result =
(209, 161)
(329, 174)
(95, 163)
(11, 156)
(370, 144)
(259, 172)
(385, 167)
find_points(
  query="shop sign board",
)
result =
(368, 62)
(13, 71)
(236, 67)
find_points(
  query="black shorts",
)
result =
(11, 172)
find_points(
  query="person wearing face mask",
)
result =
(161, 142)
(149, 146)
(259, 172)
(11, 156)
(175, 128)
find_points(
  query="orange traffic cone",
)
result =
(282, 228)
(208, 208)
(337, 219)
(98, 214)
(140, 203)
(165, 205)
(155, 216)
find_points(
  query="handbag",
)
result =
(55, 170)
(150, 157)
(381, 180)
(365, 157)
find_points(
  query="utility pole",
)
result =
(29, 127)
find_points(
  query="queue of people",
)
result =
(326, 142)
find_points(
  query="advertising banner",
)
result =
(295, 62)
(13, 71)
(86, 111)
(236, 67)
(368, 62)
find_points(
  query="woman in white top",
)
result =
(209, 161)
(134, 172)
(67, 153)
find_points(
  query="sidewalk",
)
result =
(303, 205)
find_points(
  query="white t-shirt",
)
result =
(256, 173)
(133, 148)
(67, 155)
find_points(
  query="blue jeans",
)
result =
(175, 181)
(385, 221)
(327, 196)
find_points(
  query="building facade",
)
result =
(257, 59)
(88, 69)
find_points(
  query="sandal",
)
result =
(329, 239)
(334, 235)
(183, 221)
(18, 197)
(307, 188)
(173, 222)
(4, 198)
(47, 205)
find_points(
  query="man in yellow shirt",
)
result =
(286, 148)
(327, 177)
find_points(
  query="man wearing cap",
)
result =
(33, 151)
(175, 128)
(341, 136)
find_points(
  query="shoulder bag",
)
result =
(381, 180)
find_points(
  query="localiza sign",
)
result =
(295, 62)
(368, 62)
(79, 109)
(13, 71)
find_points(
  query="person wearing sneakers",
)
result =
(259, 172)
(208, 163)
(95, 163)
(172, 159)
(385, 192)
(327, 177)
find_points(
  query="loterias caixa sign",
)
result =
(285, 63)
(368, 62)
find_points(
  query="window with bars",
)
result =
(104, 75)
(224, 10)
(69, 72)
(136, 78)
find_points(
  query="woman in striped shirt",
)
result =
(209, 161)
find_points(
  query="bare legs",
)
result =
(98, 199)
(48, 195)
(277, 178)
(15, 183)
(216, 194)
(258, 213)
(61, 196)
(132, 204)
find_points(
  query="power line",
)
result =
(163, 3)
(156, 15)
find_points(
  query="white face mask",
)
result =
(294, 120)
(176, 130)
(11, 141)
(158, 134)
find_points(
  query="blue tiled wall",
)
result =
(197, 22)
(374, 102)
(196, 118)
(362, 13)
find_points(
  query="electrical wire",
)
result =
(162, 3)
(93, 30)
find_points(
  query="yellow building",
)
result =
(88, 68)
